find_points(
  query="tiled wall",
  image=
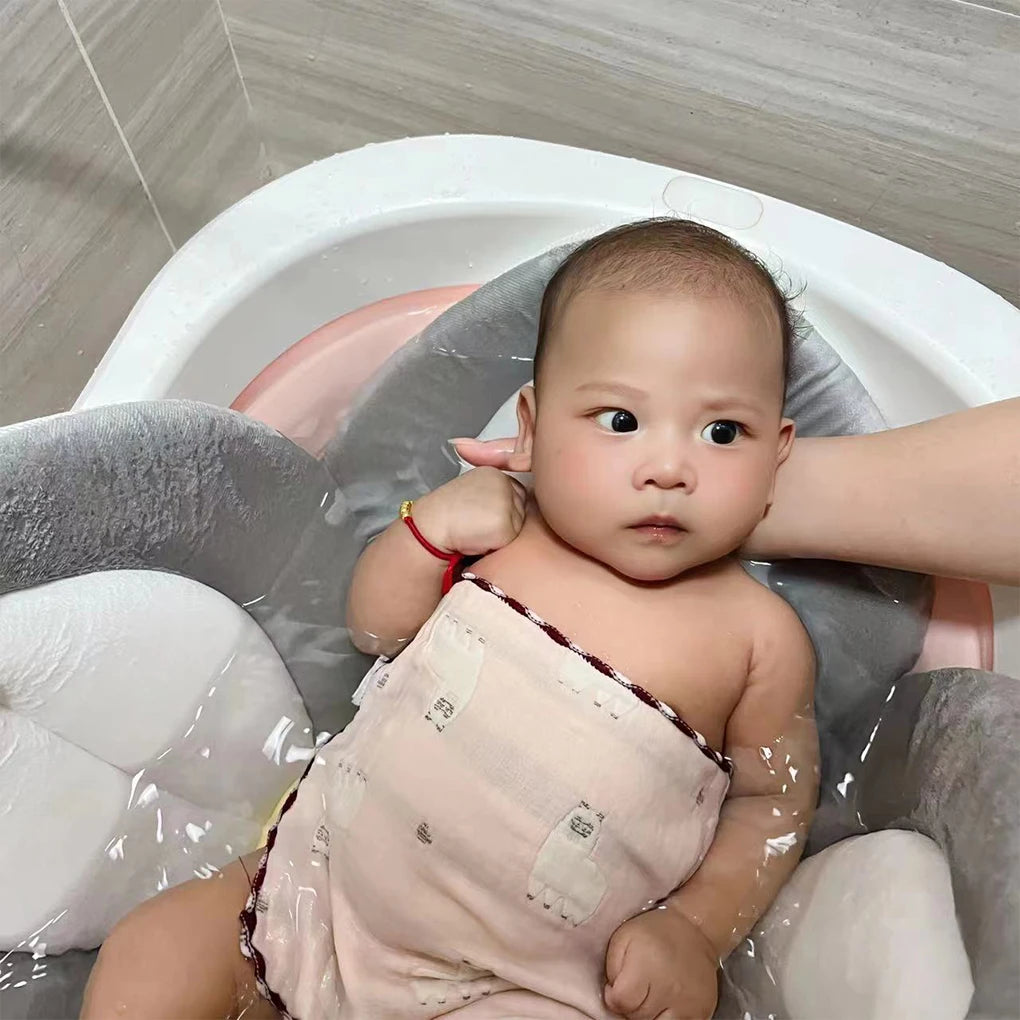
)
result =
(127, 124)
(124, 127)
(899, 115)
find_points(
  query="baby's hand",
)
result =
(474, 514)
(659, 966)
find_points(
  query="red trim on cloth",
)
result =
(249, 916)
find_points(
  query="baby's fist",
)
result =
(659, 966)
(474, 514)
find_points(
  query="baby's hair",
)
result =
(667, 255)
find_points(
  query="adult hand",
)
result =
(485, 452)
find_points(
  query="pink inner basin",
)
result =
(962, 627)
(308, 389)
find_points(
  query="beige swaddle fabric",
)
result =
(469, 844)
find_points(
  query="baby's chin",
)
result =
(654, 569)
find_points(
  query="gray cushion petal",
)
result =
(944, 762)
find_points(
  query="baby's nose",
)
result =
(672, 471)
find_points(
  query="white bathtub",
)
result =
(433, 212)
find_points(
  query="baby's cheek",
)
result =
(573, 495)
(740, 497)
(572, 474)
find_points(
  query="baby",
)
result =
(576, 789)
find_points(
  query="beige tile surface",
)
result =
(963, 222)
(171, 80)
(78, 240)
(1006, 6)
(903, 118)
(870, 111)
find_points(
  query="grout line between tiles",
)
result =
(113, 117)
(233, 53)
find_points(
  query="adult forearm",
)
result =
(940, 497)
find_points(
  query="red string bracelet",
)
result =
(452, 559)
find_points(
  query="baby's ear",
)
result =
(787, 431)
(520, 460)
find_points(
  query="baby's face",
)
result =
(659, 428)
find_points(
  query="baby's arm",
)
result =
(773, 743)
(667, 959)
(397, 583)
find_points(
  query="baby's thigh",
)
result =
(178, 955)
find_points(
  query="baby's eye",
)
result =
(617, 421)
(721, 433)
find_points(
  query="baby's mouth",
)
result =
(660, 526)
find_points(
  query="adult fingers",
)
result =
(485, 452)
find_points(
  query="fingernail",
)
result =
(460, 439)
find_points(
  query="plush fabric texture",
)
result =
(57, 995)
(147, 729)
(864, 930)
(196, 490)
(944, 763)
(185, 488)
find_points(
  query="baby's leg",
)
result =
(178, 956)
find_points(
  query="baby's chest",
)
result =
(692, 660)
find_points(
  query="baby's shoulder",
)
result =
(727, 580)
(780, 642)
(768, 603)
(769, 620)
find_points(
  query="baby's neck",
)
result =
(541, 541)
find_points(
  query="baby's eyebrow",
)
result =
(620, 389)
(731, 404)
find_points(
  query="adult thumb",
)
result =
(485, 452)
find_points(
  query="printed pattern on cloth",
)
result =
(606, 670)
(471, 841)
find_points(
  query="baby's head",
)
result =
(655, 427)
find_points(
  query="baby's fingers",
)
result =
(629, 994)
(520, 501)
(616, 954)
(520, 492)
